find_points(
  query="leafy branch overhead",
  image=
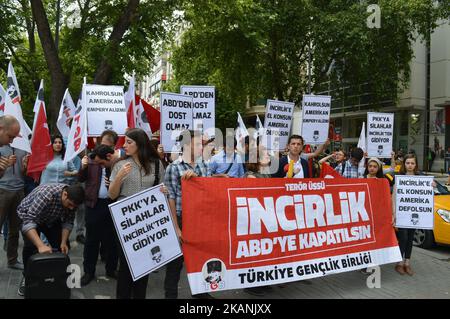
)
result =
(99, 39)
(256, 49)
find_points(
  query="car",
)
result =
(441, 232)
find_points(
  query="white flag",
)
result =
(21, 141)
(259, 128)
(12, 107)
(362, 144)
(12, 90)
(241, 133)
(2, 100)
(66, 112)
(142, 120)
(77, 139)
(37, 103)
(12, 87)
(362, 138)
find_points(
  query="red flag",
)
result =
(328, 172)
(153, 115)
(310, 161)
(41, 146)
(91, 143)
(130, 116)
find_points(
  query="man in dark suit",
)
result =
(301, 168)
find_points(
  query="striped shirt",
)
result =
(172, 179)
(350, 170)
(43, 206)
(136, 181)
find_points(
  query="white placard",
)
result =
(277, 124)
(176, 116)
(414, 202)
(105, 109)
(144, 225)
(204, 107)
(315, 118)
(380, 130)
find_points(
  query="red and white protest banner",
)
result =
(254, 232)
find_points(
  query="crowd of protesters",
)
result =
(45, 212)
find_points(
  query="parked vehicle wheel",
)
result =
(424, 238)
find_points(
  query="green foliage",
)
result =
(251, 49)
(81, 49)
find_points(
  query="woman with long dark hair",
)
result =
(56, 170)
(141, 169)
(405, 236)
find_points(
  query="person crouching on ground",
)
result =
(48, 209)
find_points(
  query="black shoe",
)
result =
(81, 239)
(256, 291)
(112, 274)
(86, 279)
(21, 290)
(203, 296)
(17, 265)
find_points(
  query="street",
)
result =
(431, 280)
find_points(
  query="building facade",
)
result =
(411, 110)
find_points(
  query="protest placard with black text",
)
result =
(145, 229)
(315, 118)
(277, 124)
(176, 116)
(203, 107)
(380, 130)
(414, 201)
(105, 109)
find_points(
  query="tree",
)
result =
(26, 55)
(252, 49)
(113, 38)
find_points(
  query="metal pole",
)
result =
(426, 162)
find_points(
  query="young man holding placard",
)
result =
(189, 165)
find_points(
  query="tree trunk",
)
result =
(58, 78)
(104, 70)
(29, 24)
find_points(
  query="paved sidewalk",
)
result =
(432, 280)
